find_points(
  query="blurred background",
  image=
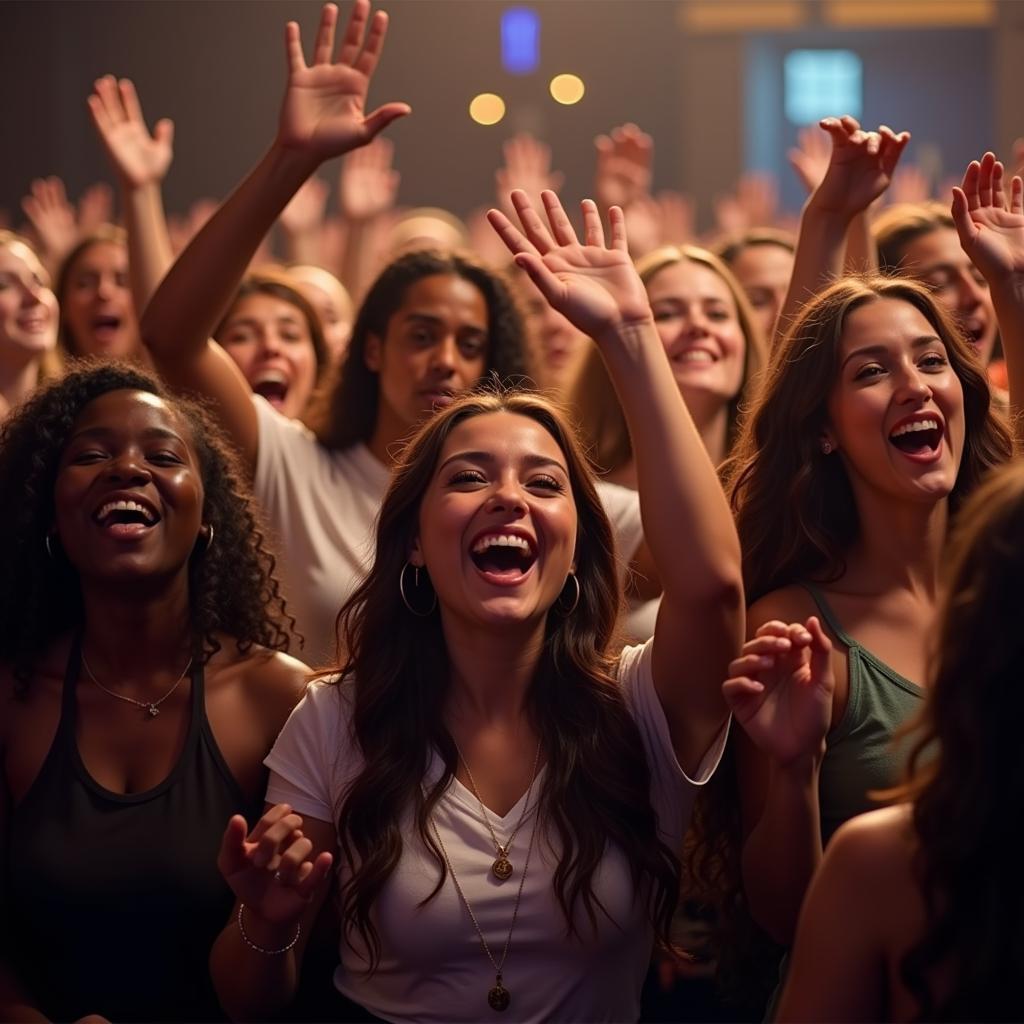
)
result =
(722, 86)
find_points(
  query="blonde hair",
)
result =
(51, 364)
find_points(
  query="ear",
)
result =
(827, 442)
(416, 555)
(372, 353)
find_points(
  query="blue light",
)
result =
(520, 40)
(822, 83)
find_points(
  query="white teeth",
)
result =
(695, 355)
(504, 540)
(909, 428)
(125, 506)
(271, 377)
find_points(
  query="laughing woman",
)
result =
(502, 795)
(141, 685)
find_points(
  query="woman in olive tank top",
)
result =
(141, 684)
(874, 424)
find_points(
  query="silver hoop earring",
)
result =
(416, 586)
(209, 538)
(576, 599)
(49, 550)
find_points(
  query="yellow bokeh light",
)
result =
(567, 89)
(487, 108)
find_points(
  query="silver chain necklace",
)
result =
(152, 707)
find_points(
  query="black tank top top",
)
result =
(115, 899)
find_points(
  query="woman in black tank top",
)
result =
(142, 684)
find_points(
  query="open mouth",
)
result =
(105, 326)
(694, 357)
(125, 519)
(919, 437)
(273, 386)
(503, 558)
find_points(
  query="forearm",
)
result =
(676, 480)
(252, 985)
(149, 245)
(861, 252)
(357, 257)
(199, 286)
(783, 851)
(818, 260)
(1008, 300)
(303, 246)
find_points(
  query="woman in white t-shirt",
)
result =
(500, 793)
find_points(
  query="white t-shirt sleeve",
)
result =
(622, 507)
(312, 759)
(672, 790)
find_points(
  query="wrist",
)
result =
(629, 331)
(268, 937)
(830, 210)
(801, 768)
(294, 161)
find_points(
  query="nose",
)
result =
(508, 496)
(914, 385)
(444, 355)
(32, 293)
(104, 286)
(270, 343)
(128, 466)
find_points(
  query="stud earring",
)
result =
(826, 447)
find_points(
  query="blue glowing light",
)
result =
(822, 83)
(520, 40)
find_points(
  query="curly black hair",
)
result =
(345, 412)
(231, 584)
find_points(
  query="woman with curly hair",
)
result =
(431, 326)
(28, 322)
(874, 426)
(501, 791)
(142, 682)
(917, 910)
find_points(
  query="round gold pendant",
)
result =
(502, 869)
(498, 998)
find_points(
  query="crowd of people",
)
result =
(441, 620)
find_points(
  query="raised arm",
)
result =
(140, 161)
(859, 170)
(323, 115)
(992, 235)
(700, 624)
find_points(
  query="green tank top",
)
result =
(860, 755)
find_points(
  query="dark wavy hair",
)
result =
(894, 229)
(794, 506)
(966, 775)
(597, 782)
(278, 286)
(231, 584)
(345, 413)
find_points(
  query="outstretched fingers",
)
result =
(561, 228)
(367, 62)
(323, 47)
(355, 30)
(293, 48)
(593, 229)
(1017, 195)
(533, 226)
(617, 222)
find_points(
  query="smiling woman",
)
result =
(141, 684)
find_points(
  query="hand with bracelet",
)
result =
(271, 873)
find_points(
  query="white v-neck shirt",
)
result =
(432, 966)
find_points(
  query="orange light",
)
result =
(487, 108)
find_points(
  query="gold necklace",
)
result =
(502, 867)
(498, 997)
(153, 707)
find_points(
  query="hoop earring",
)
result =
(208, 537)
(49, 550)
(416, 586)
(576, 600)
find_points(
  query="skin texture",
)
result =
(937, 260)
(98, 287)
(497, 474)
(269, 340)
(435, 346)
(763, 272)
(328, 297)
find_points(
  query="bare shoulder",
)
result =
(876, 844)
(787, 604)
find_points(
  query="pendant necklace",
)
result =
(498, 997)
(502, 867)
(152, 707)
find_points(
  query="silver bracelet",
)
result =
(260, 949)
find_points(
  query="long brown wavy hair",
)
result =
(966, 775)
(597, 782)
(600, 415)
(794, 506)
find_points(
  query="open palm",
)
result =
(138, 157)
(991, 230)
(324, 110)
(593, 285)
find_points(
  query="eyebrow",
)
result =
(430, 318)
(249, 321)
(150, 433)
(531, 460)
(881, 350)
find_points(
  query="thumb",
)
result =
(232, 846)
(961, 213)
(380, 118)
(821, 652)
(164, 131)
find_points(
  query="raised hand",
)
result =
(95, 207)
(991, 230)
(368, 182)
(324, 110)
(624, 160)
(810, 157)
(861, 166)
(138, 158)
(780, 689)
(305, 210)
(527, 167)
(269, 870)
(594, 286)
(52, 216)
